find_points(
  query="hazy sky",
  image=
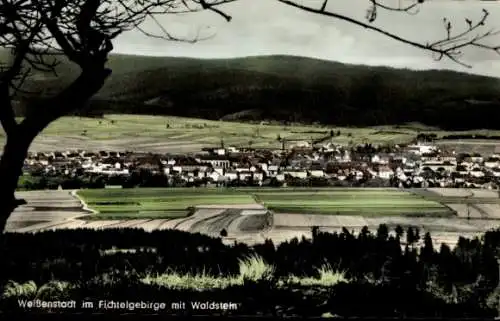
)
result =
(268, 27)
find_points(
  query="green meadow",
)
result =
(179, 202)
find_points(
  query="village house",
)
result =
(258, 176)
(219, 151)
(346, 158)
(298, 173)
(217, 161)
(439, 166)
(477, 158)
(495, 172)
(280, 177)
(72, 154)
(467, 164)
(244, 175)
(476, 171)
(400, 174)
(231, 175)
(385, 172)
(419, 165)
(263, 166)
(382, 159)
(215, 177)
(316, 170)
(492, 162)
(188, 166)
(272, 170)
(448, 157)
(107, 169)
(421, 148)
(327, 148)
(462, 169)
(472, 158)
(457, 177)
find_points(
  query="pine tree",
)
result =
(399, 231)
(417, 234)
(410, 236)
(428, 249)
(383, 232)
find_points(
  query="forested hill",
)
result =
(293, 89)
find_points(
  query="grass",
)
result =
(29, 290)
(156, 202)
(174, 203)
(124, 132)
(183, 130)
(328, 276)
(251, 269)
(362, 202)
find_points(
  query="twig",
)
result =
(449, 47)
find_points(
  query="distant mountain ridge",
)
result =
(290, 88)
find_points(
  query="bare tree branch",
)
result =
(37, 31)
(50, 109)
(450, 46)
(412, 7)
(166, 35)
(211, 7)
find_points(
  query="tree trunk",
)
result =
(11, 166)
(38, 117)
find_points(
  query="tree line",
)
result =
(339, 94)
(388, 274)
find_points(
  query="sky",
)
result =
(263, 27)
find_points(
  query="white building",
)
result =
(231, 176)
(220, 151)
(495, 171)
(296, 173)
(476, 172)
(280, 177)
(421, 148)
(385, 172)
(317, 173)
(492, 162)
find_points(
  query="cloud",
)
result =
(268, 27)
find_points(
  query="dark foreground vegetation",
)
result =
(289, 89)
(378, 276)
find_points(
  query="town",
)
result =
(421, 164)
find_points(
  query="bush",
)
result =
(116, 180)
(94, 181)
(72, 183)
(54, 182)
(28, 182)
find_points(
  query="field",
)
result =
(364, 202)
(169, 134)
(164, 134)
(473, 203)
(243, 213)
(174, 203)
(480, 146)
(156, 202)
(45, 208)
